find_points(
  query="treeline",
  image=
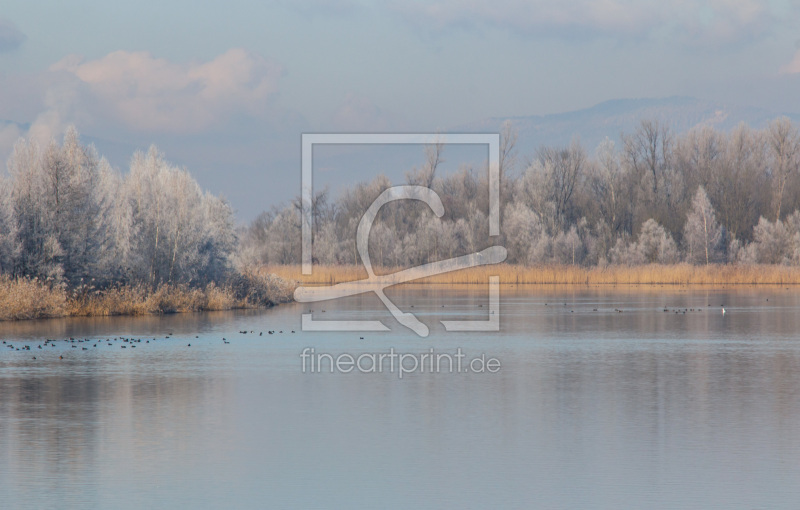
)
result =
(72, 225)
(701, 197)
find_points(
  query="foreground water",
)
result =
(590, 409)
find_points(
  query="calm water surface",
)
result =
(591, 409)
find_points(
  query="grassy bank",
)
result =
(653, 274)
(23, 298)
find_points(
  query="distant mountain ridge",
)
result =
(591, 125)
(611, 118)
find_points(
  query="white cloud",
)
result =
(145, 93)
(133, 97)
(66, 101)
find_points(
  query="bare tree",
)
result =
(740, 184)
(649, 156)
(784, 143)
(606, 183)
(562, 169)
(508, 144)
(433, 158)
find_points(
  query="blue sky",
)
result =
(226, 88)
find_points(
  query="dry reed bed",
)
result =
(653, 274)
(24, 298)
(29, 298)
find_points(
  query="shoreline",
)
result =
(651, 274)
(30, 299)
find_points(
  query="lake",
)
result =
(602, 400)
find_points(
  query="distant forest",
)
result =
(702, 197)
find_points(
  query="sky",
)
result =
(227, 88)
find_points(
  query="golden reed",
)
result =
(25, 298)
(652, 274)
(29, 298)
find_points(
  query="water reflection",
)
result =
(593, 408)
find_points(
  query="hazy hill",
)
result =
(610, 118)
(342, 167)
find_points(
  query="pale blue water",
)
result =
(591, 409)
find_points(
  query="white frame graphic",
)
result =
(492, 140)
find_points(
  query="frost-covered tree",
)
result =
(703, 236)
(219, 240)
(181, 234)
(521, 228)
(568, 247)
(61, 205)
(625, 253)
(9, 242)
(772, 242)
(284, 237)
(67, 217)
(702, 191)
(656, 245)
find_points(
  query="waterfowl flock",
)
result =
(87, 344)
